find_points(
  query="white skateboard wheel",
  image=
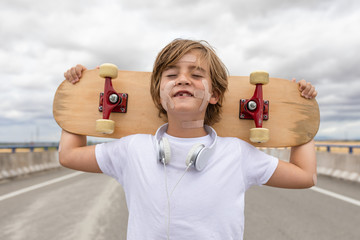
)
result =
(259, 77)
(108, 70)
(259, 135)
(105, 126)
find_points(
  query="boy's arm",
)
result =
(300, 172)
(74, 154)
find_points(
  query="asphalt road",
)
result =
(63, 204)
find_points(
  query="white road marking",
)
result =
(37, 186)
(337, 196)
(40, 185)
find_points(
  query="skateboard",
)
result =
(106, 102)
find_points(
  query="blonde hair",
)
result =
(218, 73)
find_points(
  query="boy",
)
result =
(185, 182)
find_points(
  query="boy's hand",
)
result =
(306, 89)
(73, 75)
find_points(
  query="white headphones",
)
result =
(198, 155)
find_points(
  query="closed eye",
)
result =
(197, 76)
(171, 75)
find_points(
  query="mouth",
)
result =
(183, 94)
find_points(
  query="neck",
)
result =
(176, 129)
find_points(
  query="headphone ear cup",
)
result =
(193, 153)
(164, 151)
(202, 159)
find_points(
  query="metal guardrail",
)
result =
(30, 147)
(329, 146)
(47, 146)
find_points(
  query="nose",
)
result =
(182, 80)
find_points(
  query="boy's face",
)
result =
(186, 85)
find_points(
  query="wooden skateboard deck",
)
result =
(293, 120)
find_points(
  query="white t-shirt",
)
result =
(205, 205)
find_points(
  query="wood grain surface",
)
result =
(293, 120)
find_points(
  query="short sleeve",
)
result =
(258, 166)
(111, 158)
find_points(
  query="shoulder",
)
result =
(135, 140)
(136, 137)
(234, 142)
(241, 148)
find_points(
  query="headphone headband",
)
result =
(198, 155)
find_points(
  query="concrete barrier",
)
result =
(17, 164)
(338, 165)
(344, 166)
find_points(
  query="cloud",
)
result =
(315, 40)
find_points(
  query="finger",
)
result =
(302, 85)
(74, 76)
(312, 93)
(79, 69)
(306, 90)
(293, 80)
(68, 76)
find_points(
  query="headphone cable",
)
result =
(169, 196)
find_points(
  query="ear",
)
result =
(214, 97)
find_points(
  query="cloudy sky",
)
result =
(318, 40)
